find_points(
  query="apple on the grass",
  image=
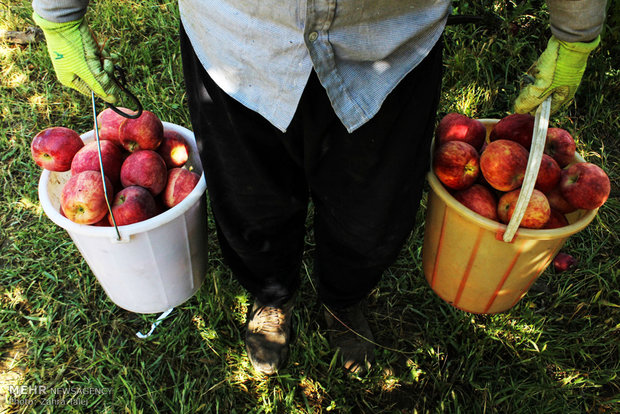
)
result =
(503, 164)
(87, 158)
(456, 164)
(82, 198)
(54, 148)
(173, 149)
(560, 145)
(556, 220)
(479, 199)
(585, 185)
(459, 127)
(536, 214)
(145, 168)
(132, 205)
(548, 174)
(180, 183)
(109, 123)
(563, 262)
(143, 133)
(516, 127)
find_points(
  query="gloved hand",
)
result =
(557, 71)
(76, 57)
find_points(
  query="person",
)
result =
(332, 101)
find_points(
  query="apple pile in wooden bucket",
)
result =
(486, 175)
(145, 169)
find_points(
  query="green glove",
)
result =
(557, 71)
(76, 57)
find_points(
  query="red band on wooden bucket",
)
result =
(439, 243)
(504, 278)
(470, 263)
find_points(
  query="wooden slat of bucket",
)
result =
(501, 283)
(472, 257)
(438, 248)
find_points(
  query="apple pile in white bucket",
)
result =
(145, 169)
(486, 175)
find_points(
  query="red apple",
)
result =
(558, 202)
(83, 199)
(87, 159)
(548, 174)
(173, 149)
(181, 182)
(560, 145)
(456, 164)
(537, 212)
(585, 185)
(483, 147)
(478, 199)
(143, 133)
(481, 180)
(458, 127)
(503, 164)
(556, 220)
(54, 148)
(159, 202)
(131, 205)
(104, 222)
(516, 127)
(563, 262)
(109, 123)
(145, 168)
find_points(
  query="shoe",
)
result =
(267, 336)
(349, 334)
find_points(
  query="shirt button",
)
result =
(313, 36)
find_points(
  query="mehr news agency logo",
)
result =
(43, 395)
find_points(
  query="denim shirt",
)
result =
(262, 52)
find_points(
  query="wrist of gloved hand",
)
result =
(76, 57)
(557, 72)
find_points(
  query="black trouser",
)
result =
(365, 186)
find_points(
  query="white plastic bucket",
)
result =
(159, 263)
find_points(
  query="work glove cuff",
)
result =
(48, 26)
(77, 59)
(572, 55)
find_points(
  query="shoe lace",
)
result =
(269, 319)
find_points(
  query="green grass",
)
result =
(556, 351)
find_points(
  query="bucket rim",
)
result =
(500, 228)
(128, 230)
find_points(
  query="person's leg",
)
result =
(367, 185)
(258, 197)
(256, 187)
(361, 203)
